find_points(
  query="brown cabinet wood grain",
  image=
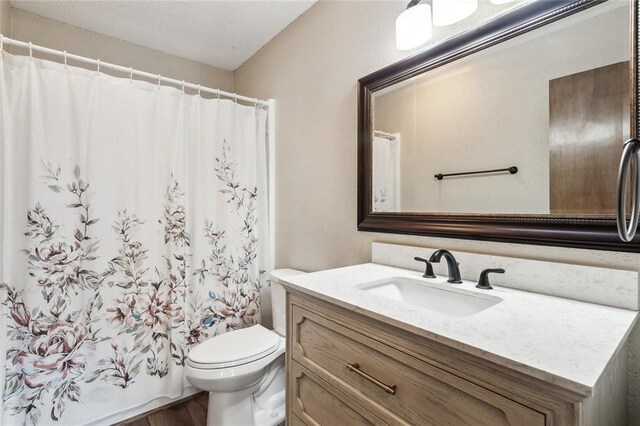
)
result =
(317, 403)
(345, 367)
(400, 386)
(295, 421)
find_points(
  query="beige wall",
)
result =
(311, 69)
(57, 35)
(5, 17)
(490, 111)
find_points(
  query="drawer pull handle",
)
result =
(355, 367)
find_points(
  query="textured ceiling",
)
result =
(223, 34)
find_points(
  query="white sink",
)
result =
(436, 297)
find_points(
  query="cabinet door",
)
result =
(394, 384)
(315, 402)
(295, 421)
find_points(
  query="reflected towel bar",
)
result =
(513, 170)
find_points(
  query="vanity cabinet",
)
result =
(347, 368)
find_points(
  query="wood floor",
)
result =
(192, 412)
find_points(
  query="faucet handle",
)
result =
(428, 272)
(483, 281)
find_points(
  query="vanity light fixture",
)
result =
(413, 26)
(447, 12)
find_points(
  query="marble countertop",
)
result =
(558, 340)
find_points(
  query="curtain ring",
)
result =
(235, 97)
(31, 50)
(131, 74)
(65, 59)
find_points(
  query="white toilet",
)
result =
(243, 370)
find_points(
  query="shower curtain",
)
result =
(133, 225)
(386, 174)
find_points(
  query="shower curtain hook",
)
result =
(159, 80)
(131, 74)
(1, 42)
(183, 86)
(255, 103)
(218, 94)
(235, 97)
(30, 50)
(65, 59)
(98, 66)
(198, 90)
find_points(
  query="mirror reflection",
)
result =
(543, 116)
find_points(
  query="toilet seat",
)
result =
(234, 348)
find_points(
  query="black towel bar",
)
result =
(513, 170)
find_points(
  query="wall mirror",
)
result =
(511, 131)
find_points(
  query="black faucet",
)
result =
(428, 271)
(483, 281)
(452, 265)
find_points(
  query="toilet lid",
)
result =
(235, 347)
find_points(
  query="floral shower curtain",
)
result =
(133, 225)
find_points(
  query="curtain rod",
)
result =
(100, 64)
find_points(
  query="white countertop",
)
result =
(557, 340)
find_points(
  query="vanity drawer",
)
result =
(295, 421)
(315, 402)
(398, 386)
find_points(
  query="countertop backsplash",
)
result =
(605, 286)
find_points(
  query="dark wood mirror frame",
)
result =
(589, 232)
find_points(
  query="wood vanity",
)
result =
(346, 367)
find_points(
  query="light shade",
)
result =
(447, 12)
(413, 27)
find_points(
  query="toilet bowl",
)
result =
(243, 370)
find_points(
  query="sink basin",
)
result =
(435, 297)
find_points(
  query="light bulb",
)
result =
(447, 12)
(413, 27)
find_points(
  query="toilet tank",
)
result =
(278, 306)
